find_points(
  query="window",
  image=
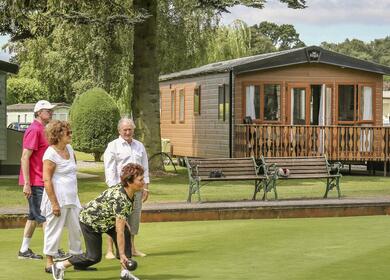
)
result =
(227, 101)
(223, 102)
(365, 108)
(355, 103)
(271, 102)
(197, 100)
(262, 102)
(252, 94)
(346, 102)
(298, 105)
(181, 105)
(173, 106)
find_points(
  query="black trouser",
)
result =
(93, 246)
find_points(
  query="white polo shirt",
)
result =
(119, 153)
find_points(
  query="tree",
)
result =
(89, 32)
(184, 32)
(283, 36)
(94, 117)
(24, 90)
(145, 102)
(64, 43)
(229, 42)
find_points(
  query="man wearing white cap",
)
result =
(34, 146)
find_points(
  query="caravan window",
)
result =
(271, 102)
(173, 106)
(262, 102)
(355, 104)
(223, 102)
(181, 105)
(197, 100)
(347, 103)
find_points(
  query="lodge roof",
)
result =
(8, 67)
(312, 54)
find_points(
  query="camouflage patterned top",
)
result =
(101, 212)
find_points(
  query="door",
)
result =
(297, 105)
(306, 104)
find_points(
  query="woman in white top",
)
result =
(60, 202)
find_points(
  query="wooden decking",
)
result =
(337, 143)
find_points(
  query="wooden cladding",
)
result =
(346, 143)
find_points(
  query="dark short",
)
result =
(34, 203)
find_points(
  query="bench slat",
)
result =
(228, 174)
(295, 162)
(201, 165)
(303, 168)
(307, 176)
(232, 178)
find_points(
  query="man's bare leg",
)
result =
(134, 251)
(110, 249)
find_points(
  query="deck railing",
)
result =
(344, 143)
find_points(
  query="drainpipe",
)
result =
(231, 113)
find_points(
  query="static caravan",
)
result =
(24, 113)
(304, 101)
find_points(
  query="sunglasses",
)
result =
(69, 133)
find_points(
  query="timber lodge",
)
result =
(301, 102)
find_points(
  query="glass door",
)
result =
(298, 101)
(306, 105)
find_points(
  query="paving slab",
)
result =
(287, 203)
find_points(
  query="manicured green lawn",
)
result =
(297, 249)
(84, 156)
(174, 187)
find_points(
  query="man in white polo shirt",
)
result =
(118, 153)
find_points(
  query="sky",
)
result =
(323, 20)
(4, 55)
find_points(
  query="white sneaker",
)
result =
(126, 275)
(58, 274)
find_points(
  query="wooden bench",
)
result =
(233, 169)
(316, 167)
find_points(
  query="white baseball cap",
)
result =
(43, 104)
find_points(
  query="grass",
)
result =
(84, 156)
(294, 249)
(174, 188)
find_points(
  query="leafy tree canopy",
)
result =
(222, 5)
(283, 36)
(24, 90)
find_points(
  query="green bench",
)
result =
(315, 167)
(200, 172)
